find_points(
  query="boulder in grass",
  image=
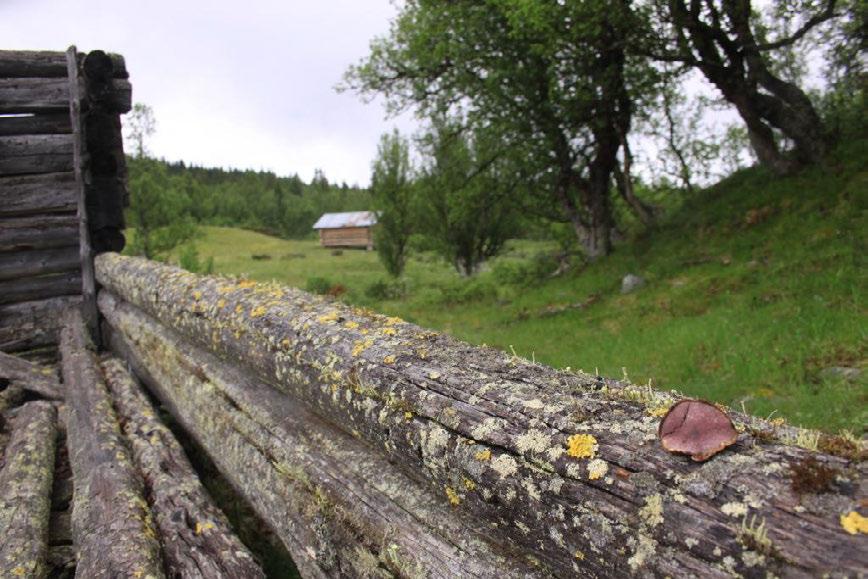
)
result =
(631, 282)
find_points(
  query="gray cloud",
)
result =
(232, 84)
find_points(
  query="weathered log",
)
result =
(38, 262)
(40, 287)
(339, 507)
(33, 324)
(47, 64)
(88, 285)
(29, 95)
(24, 154)
(38, 232)
(47, 193)
(103, 90)
(565, 466)
(196, 537)
(35, 124)
(39, 379)
(25, 492)
(111, 522)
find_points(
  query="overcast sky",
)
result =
(232, 84)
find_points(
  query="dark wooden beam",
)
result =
(46, 64)
(40, 287)
(38, 232)
(38, 262)
(47, 193)
(35, 124)
(33, 324)
(21, 154)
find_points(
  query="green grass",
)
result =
(753, 287)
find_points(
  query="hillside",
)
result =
(754, 295)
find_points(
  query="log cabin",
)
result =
(348, 229)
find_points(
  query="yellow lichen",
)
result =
(454, 499)
(483, 455)
(388, 331)
(391, 321)
(197, 295)
(360, 346)
(221, 302)
(246, 283)
(351, 325)
(239, 308)
(659, 411)
(390, 359)
(582, 446)
(257, 312)
(469, 484)
(579, 555)
(408, 415)
(329, 317)
(854, 523)
(202, 527)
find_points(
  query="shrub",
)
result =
(386, 290)
(318, 285)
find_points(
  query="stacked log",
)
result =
(62, 180)
(25, 491)
(562, 471)
(195, 535)
(111, 523)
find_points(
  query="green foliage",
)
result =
(159, 214)
(318, 285)
(754, 286)
(385, 289)
(391, 190)
(188, 258)
(466, 201)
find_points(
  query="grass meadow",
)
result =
(753, 288)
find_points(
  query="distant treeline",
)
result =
(176, 195)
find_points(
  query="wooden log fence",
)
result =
(555, 470)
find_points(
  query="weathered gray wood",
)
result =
(40, 287)
(28, 194)
(47, 193)
(111, 521)
(88, 285)
(33, 324)
(196, 537)
(46, 64)
(339, 507)
(566, 467)
(38, 232)
(38, 262)
(35, 124)
(29, 376)
(29, 95)
(25, 492)
(23, 154)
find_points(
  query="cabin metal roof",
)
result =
(346, 219)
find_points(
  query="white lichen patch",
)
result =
(504, 465)
(533, 441)
(652, 512)
(489, 425)
(535, 404)
(691, 542)
(574, 471)
(646, 548)
(753, 559)
(734, 509)
(555, 452)
(597, 469)
(532, 489)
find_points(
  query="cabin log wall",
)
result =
(62, 185)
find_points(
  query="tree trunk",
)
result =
(111, 522)
(564, 467)
(25, 491)
(196, 537)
